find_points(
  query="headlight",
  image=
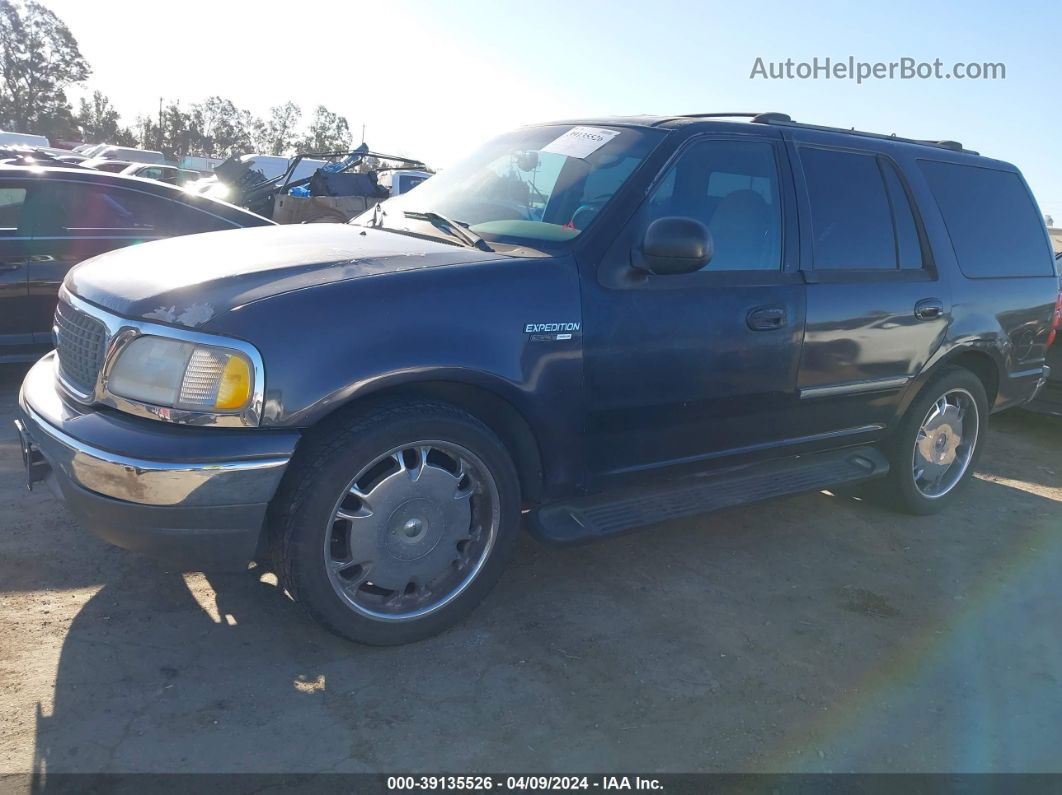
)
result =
(182, 375)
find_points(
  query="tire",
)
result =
(902, 488)
(386, 495)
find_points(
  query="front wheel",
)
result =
(396, 521)
(938, 443)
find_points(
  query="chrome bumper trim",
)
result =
(155, 482)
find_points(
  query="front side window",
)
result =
(732, 188)
(538, 186)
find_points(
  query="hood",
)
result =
(189, 280)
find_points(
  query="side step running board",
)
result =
(589, 518)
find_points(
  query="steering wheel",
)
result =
(590, 208)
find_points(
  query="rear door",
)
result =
(876, 306)
(14, 264)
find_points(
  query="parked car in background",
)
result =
(201, 163)
(273, 165)
(89, 150)
(44, 155)
(591, 326)
(129, 154)
(23, 139)
(401, 180)
(103, 164)
(1049, 400)
(171, 175)
(71, 159)
(52, 218)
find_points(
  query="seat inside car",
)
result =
(740, 229)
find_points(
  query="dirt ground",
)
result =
(813, 634)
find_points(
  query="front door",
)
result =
(686, 370)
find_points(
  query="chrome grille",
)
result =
(80, 342)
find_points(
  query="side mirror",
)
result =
(673, 246)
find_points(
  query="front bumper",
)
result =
(196, 497)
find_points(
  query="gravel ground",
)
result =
(813, 634)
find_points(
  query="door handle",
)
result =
(929, 309)
(766, 318)
(13, 264)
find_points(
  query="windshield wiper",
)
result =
(453, 228)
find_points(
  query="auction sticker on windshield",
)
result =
(580, 142)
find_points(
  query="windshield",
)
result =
(538, 186)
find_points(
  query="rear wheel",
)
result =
(396, 522)
(938, 443)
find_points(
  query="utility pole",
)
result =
(160, 123)
(363, 133)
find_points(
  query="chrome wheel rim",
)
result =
(412, 530)
(945, 443)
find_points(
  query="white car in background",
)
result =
(104, 164)
(171, 175)
(127, 153)
(275, 165)
(23, 139)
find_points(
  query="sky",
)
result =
(434, 79)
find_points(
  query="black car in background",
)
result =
(52, 218)
(1049, 400)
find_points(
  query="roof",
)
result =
(744, 118)
(93, 176)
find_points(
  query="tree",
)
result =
(98, 119)
(328, 132)
(146, 131)
(278, 135)
(182, 133)
(39, 58)
(225, 128)
(1049, 220)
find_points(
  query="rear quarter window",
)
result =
(993, 223)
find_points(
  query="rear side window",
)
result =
(861, 216)
(993, 223)
(908, 242)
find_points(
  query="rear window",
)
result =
(992, 220)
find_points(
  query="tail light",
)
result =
(1056, 320)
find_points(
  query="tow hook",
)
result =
(33, 462)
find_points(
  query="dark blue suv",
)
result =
(588, 326)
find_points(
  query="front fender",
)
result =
(324, 347)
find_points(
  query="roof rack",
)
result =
(786, 120)
(760, 118)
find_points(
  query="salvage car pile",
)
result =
(347, 184)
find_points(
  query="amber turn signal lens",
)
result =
(235, 388)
